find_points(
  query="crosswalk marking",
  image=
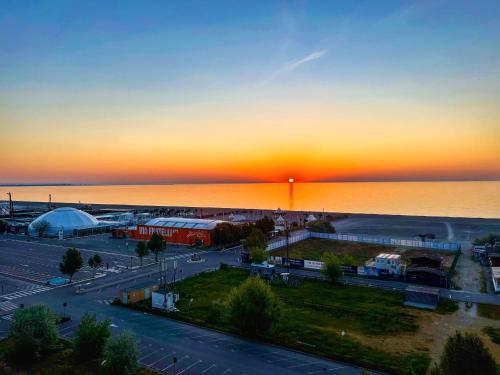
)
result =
(24, 293)
(7, 306)
(8, 317)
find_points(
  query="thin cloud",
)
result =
(287, 68)
(292, 65)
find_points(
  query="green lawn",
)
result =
(313, 316)
(313, 249)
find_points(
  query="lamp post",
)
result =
(287, 246)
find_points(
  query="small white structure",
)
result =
(389, 262)
(495, 275)
(311, 218)
(164, 301)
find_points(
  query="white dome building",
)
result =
(67, 219)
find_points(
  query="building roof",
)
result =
(436, 258)
(422, 289)
(389, 256)
(434, 271)
(65, 218)
(183, 222)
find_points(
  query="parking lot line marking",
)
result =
(305, 364)
(166, 355)
(225, 372)
(279, 360)
(190, 366)
(323, 371)
(149, 355)
(208, 368)
(170, 365)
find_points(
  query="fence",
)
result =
(433, 245)
(292, 239)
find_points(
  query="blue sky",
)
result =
(62, 60)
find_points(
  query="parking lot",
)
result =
(200, 351)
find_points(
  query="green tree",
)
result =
(91, 337)
(156, 244)
(3, 226)
(258, 255)
(254, 309)
(121, 355)
(464, 354)
(490, 239)
(72, 261)
(321, 226)
(95, 262)
(225, 234)
(266, 225)
(256, 239)
(41, 227)
(34, 333)
(331, 267)
(141, 250)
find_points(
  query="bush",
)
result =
(121, 354)
(3, 226)
(321, 226)
(490, 239)
(254, 309)
(256, 239)
(258, 255)
(465, 354)
(331, 267)
(91, 337)
(34, 334)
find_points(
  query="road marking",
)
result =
(305, 364)
(322, 371)
(208, 369)
(190, 366)
(225, 372)
(166, 368)
(166, 355)
(149, 355)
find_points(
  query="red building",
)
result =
(177, 230)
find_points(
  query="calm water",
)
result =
(459, 199)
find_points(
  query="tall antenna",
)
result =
(11, 206)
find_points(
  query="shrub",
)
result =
(258, 255)
(91, 337)
(465, 354)
(254, 309)
(321, 226)
(331, 267)
(3, 226)
(34, 334)
(121, 354)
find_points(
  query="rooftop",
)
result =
(182, 222)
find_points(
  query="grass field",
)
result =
(61, 362)
(358, 252)
(494, 334)
(313, 317)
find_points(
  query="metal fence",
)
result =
(433, 245)
(292, 239)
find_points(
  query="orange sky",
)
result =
(157, 92)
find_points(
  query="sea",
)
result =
(477, 199)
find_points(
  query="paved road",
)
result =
(198, 350)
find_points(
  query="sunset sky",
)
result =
(202, 91)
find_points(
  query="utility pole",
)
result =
(287, 246)
(11, 206)
(50, 202)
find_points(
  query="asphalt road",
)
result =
(198, 350)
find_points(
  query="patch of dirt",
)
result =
(433, 332)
